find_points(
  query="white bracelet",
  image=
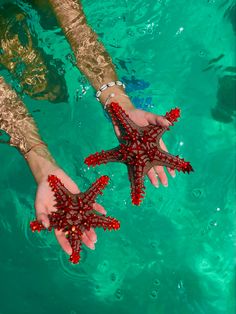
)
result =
(105, 86)
(108, 98)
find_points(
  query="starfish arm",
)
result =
(103, 222)
(75, 244)
(121, 119)
(75, 214)
(75, 257)
(173, 115)
(153, 132)
(96, 188)
(103, 157)
(136, 177)
(174, 162)
(36, 226)
(74, 237)
(57, 219)
(60, 191)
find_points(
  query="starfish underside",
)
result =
(139, 149)
(75, 213)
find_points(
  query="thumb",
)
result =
(45, 221)
(99, 208)
(116, 130)
(157, 120)
(42, 216)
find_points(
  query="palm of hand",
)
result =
(44, 205)
(143, 118)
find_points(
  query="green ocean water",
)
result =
(175, 253)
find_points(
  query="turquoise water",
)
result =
(175, 253)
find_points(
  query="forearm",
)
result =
(16, 121)
(92, 58)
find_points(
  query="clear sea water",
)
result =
(175, 253)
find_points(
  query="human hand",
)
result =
(143, 118)
(44, 205)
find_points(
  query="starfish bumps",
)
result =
(139, 149)
(75, 213)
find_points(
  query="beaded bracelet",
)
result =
(105, 86)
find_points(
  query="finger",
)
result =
(117, 131)
(64, 243)
(170, 170)
(72, 186)
(99, 208)
(87, 241)
(153, 177)
(162, 175)
(52, 209)
(157, 120)
(41, 214)
(91, 234)
(163, 146)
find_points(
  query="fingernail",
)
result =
(92, 247)
(165, 185)
(156, 185)
(173, 174)
(45, 224)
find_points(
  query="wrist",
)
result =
(123, 101)
(116, 89)
(40, 166)
(119, 96)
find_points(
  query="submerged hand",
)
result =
(44, 205)
(143, 118)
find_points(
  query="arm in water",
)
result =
(96, 64)
(20, 126)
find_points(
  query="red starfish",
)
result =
(75, 213)
(139, 149)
